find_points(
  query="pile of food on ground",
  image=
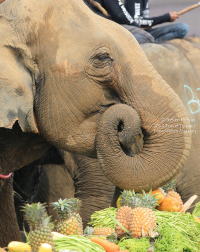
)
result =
(154, 221)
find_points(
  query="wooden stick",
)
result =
(98, 6)
(188, 9)
(188, 203)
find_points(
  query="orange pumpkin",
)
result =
(170, 204)
(160, 195)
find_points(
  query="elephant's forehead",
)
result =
(71, 19)
(74, 14)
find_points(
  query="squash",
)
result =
(160, 195)
(170, 204)
(197, 219)
(45, 247)
(118, 203)
(15, 246)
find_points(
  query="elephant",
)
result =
(179, 66)
(80, 176)
(26, 182)
(81, 83)
(75, 176)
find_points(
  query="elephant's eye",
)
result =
(101, 66)
(101, 58)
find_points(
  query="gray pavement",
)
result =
(192, 18)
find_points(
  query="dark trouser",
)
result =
(140, 35)
(169, 32)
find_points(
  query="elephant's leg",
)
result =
(9, 230)
(55, 183)
(92, 187)
(79, 177)
(188, 182)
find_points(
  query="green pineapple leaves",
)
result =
(67, 206)
(170, 186)
(34, 213)
(133, 200)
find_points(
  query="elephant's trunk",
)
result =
(167, 137)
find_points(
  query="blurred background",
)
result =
(191, 18)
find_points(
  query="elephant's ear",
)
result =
(16, 91)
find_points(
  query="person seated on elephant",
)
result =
(139, 11)
(116, 11)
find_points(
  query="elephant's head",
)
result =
(93, 89)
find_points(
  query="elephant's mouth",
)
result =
(137, 146)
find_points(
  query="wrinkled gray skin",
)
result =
(79, 176)
(67, 175)
(179, 64)
(81, 83)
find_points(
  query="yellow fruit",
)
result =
(175, 195)
(123, 215)
(16, 246)
(197, 219)
(143, 221)
(45, 247)
(57, 235)
(170, 204)
(105, 231)
(160, 195)
(118, 203)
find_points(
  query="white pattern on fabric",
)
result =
(128, 16)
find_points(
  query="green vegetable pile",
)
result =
(103, 218)
(77, 243)
(196, 211)
(171, 240)
(178, 232)
(134, 245)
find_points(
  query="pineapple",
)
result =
(105, 231)
(141, 218)
(70, 220)
(143, 221)
(170, 190)
(40, 226)
(123, 215)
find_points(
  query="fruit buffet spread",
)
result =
(154, 221)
